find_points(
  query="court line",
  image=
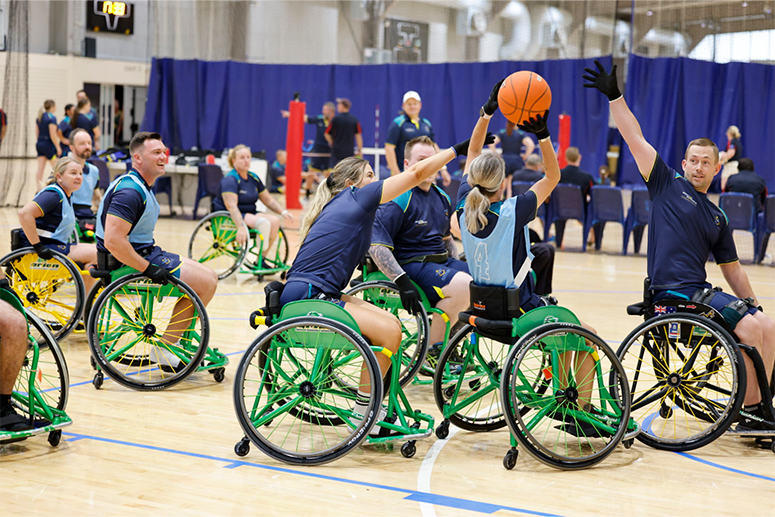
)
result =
(723, 467)
(412, 495)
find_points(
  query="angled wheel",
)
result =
(466, 385)
(415, 329)
(567, 396)
(146, 336)
(52, 289)
(214, 243)
(687, 380)
(288, 393)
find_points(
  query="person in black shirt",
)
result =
(343, 133)
(532, 170)
(730, 158)
(574, 175)
(747, 181)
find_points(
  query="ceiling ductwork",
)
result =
(536, 32)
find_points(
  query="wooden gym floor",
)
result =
(171, 452)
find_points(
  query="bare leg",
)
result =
(13, 346)
(756, 331)
(203, 281)
(456, 299)
(39, 173)
(87, 255)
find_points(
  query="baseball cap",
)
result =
(411, 94)
(345, 102)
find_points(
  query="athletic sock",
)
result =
(362, 402)
(5, 403)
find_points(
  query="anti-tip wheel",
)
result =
(408, 449)
(54, 437)
(628, 443)
(510, 459)
(219, 374)
(442, 431)
(242, 448)
(98, 378)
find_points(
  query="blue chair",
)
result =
(605, 206)
(450, 189)
(637, 219)
(102, 166)
(210, 177)
(520, 187)
(741, 212)
(566, 203)
(766, 226)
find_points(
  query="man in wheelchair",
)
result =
(80, 142)
(126, 220)
(685, 227)
(411, 244)
(13, 348)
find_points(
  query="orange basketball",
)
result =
(523, 95)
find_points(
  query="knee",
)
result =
(749, 330)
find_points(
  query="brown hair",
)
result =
(233, 153)
(139, 139)
(702, 142)
(47, 105)
(78, 110)
(572, 154)
(420, 140)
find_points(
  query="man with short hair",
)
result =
(343, 132)
(126, 220)
(574, 175)
(80, 145)
(685, 227)
(532, 171)
(13, 349)
(748, 182)
(320, 145)
(411, 241)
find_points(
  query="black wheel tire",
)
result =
(772, 446)
(204, 226)
(283, 275)
(259, 278)
(219, 374)
(54, 437)
(98, 378)
(92, 362)
(242, 448)
(628, 443)
(510, 459)
(442, 431)
(408, 449)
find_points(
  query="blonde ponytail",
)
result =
(485, 175)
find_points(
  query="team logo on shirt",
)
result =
(421, 222)
(243, 191)
(166, 261)
(718, 221)
(688, 198)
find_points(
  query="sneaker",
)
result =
(752, 423)
(11, 421)
(167, 361)
(376, 430)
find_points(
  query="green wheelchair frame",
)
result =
(27, 395)
(336, 343)
(220, 240)
(110, 320)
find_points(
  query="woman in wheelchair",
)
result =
(238, 193)
(495, 234)
(48, 221)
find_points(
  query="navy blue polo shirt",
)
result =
(512, 149)
(684, 228)
(414, 224)
(737, 147)
(276, 170)
(403, 129)
(575, 176)
(127, 202)
(247, 191)
(87, 123)
(50, 203)
(338, 239)
(526, 212)
(320, 144)
(66, 129)
(343, 129)
(45, 120)
(749, 182)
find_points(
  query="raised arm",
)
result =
(480, 136)
(544, 187)
(628, 125)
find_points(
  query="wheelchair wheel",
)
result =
(126, 330)
(467, 381)
(52, 290)
(214, 242)
(687, 380)
(94, 293)
(52, 377)
(274, 258)
(566, 396)
(415, 329)
(288, 393)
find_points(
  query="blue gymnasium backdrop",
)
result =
(213, 105)
(678, 99)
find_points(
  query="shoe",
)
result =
(752, 423)
(432, 359)
(12, 422)
(168, 362)
(580, 428)
(376, 430)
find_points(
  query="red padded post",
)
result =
(293, 150)
(564, 139)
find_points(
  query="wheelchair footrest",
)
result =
(400, 432)
(57, 423)
(212, 360)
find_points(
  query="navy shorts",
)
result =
(46, 149)
(64, 249)
(719, 301)
(319, 163)
(169, 261)
(295, 291)
(431, 276)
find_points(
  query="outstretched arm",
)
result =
(738, 281)
(385, 261)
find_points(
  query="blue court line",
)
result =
(412, 495)
(722, 467)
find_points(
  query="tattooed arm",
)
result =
(385, 260)
(449, 243)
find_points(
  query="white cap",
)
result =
(411, 94)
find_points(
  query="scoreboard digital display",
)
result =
(111, 17)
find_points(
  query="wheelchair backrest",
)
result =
(16, 239)
(494, 302)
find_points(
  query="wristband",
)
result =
(616, 99)
(453, 150)
(546, 138)
(284, 212)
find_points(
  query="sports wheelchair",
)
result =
(41, 389)
(560, 388)
(296, 386)
(85, 231)
(52, 290)
(126, 328)
(687, 376)
(214, 242)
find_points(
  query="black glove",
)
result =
(42, 251)
(462, 148)
(604, 82)
(491, 106)
(537, 126)
(158, 274)
(410, 296)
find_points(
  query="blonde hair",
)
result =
(47, 105)
(350, 169)
(233, 153)
(59, 168)
(572, 154)
(486, 175)
(735, 131)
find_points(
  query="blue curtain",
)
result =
(678, 99)
(213, 105)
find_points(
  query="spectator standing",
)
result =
(320, 145)
(47, 144)
(343, 133)
(731, 156)
(747, 181)
(85, 117)
(516, 146)
(64, 129)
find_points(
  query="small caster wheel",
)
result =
(92, 362)
(665, 412)
(98, 378)
(259, 278)
(408, 449)
(242, 448)
(283, 275)
(510, 459)
(219, 374)
(628, 443)
(54, 437)
(442, 431)
(449, 392)
(772, 446)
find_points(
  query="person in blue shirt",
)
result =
(83, 118)
(91, 114)
(48, 221)
(239, 191)
(47, 144)
(685, 227)
(277, 172)
(13, 349)
(64, 129)
(335, 235)
(411, 242)
(320, 145)
(516, 146)
(408, 125)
